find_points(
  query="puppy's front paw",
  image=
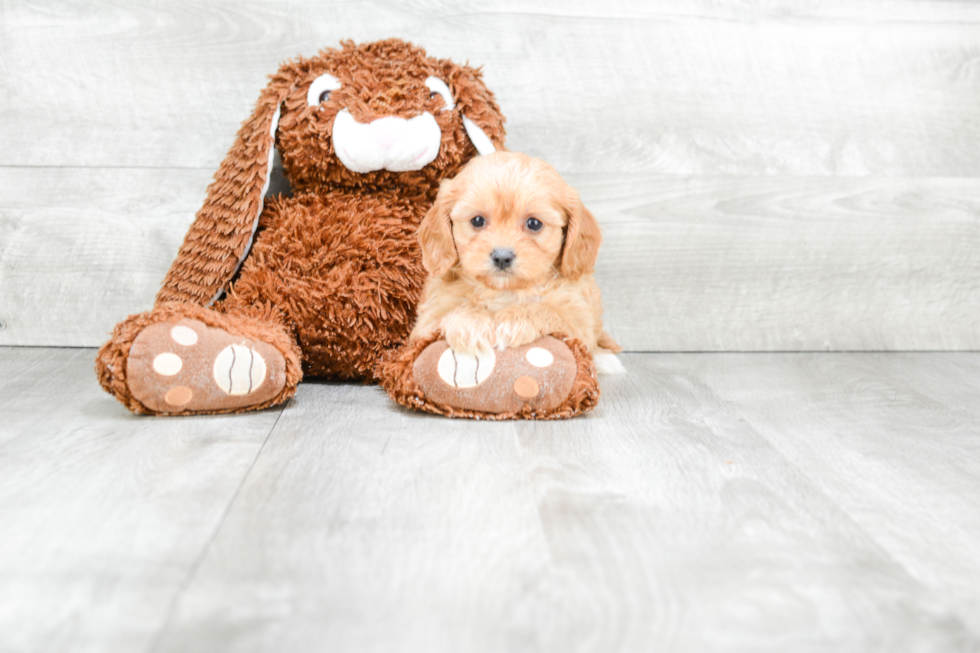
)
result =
(468, 335)
(511, 333)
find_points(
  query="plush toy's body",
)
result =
(344, 274)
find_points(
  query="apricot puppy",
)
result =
(510, 250)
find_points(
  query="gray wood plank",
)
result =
(102, 514)
(688, 264)
(662, 521)
(357, 534)
(886, 87)
(790, 264)
(894, 440)
(82, 248)
(677, 527)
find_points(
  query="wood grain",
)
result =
(82, 248)
(103, 514)
(673, 525)
(712, 502)
(877, 88)
(891, 439)
(719, 144)
(689, 264)
(368, 528)
(723, 263)
(660, 522)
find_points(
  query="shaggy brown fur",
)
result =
(335, 272)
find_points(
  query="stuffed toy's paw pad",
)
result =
(187, 366)
(540, 375)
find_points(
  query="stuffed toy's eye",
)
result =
(478, 222)
(321, 88)
(533, 224)
(438, 87)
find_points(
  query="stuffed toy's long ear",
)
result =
(482, 119)
(436, 233)
(221, 235)
(481, 141)
(582, 239)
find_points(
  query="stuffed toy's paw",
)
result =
(186, 365)
(186, 359)
(550, 378)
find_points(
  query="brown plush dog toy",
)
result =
(324, 282)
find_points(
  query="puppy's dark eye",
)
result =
(478, 222)
(324, 96)
(533, 224)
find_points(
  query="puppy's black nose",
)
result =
(502, 258)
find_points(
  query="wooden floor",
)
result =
(712, 502)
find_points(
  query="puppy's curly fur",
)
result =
(510, 250)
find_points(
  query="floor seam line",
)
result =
(192, 572)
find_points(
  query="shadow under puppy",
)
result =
(510, 251)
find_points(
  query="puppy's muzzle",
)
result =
(502, 257)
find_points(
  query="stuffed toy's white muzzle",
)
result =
(390, 143)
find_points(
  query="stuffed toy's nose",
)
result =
(388, 131)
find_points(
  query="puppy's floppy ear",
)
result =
(221, 235)
(436, 233)
(582, 238)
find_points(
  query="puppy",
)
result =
(510, 251)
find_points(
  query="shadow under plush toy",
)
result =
(325, 282)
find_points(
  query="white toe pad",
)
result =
(239, 370)
(465, 370)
